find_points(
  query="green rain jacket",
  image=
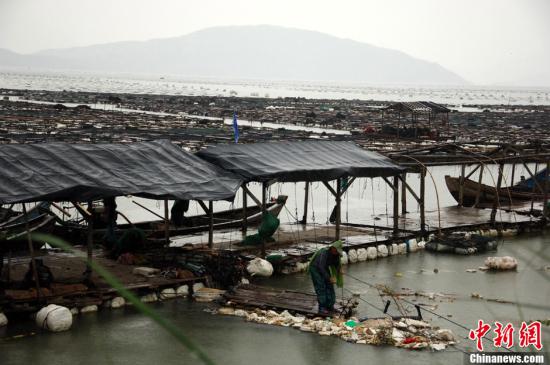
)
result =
(319, 259)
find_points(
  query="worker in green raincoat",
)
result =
(326, 270)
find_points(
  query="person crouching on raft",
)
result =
(326, 270)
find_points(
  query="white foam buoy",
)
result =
(168, 293)
(372, 253)
(89, 309)
(182, 291)
(118, 302)
(54, 318)
(382, 250)
(352, 256)
(402, 248)
(394, 249)
(260, 267)
(149, 298)
(344, 258)
(3, 320)
(362, 254)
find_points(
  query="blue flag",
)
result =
(235, 127)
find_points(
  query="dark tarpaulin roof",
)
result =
(82, 172)
(300, 161)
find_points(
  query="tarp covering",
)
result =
(300, 161)
(82, 172)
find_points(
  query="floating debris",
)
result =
(405, 333)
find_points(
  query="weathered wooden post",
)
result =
(478, 193)
(395, 206)
(338, 206)
(90, 241)
(210, 224)
(31, 250)
(264, 211)
(306, 189)
(545, 185)
(423, 201)
(534, 177)
(166, 223)
(245, 203)
(461, 186)
(497, 191)
(404, 193)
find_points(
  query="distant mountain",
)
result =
(258, 52)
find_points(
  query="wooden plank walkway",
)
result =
(253, 296)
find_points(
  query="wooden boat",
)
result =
(506, 195)
(14, 230)
(76, 233)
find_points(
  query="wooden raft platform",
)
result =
(253, 296)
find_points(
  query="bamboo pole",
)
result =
(31, 250)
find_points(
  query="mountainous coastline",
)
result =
(255, 52)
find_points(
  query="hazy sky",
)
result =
(484, 41)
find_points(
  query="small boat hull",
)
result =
(487, 194)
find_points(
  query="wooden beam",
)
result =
(473, 171)
(166, 223)
(461, 186)
(545, 207)
(210, 224)
(264, 211)
(306, 199)
(496, 200)
(403, 177)
(31, 250)
(533, 175)
(329, 188)
(422, 201)
(245, 204)
(338, 207)
(350, 181)
(390, 184)
(89, 245)
(409, 189)
(479, 180)
(203, 206)
(249, 193)
(147, 209)
(395, 206)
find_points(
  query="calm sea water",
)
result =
(173, 85)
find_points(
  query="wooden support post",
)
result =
(497, 191)
(545, 185)
(338, 208)
(89, 243)
(249, 193)
(534, 187)
(513, 174)
(461, 186)
(395, 206)
(403, 194)
(479, 180)
(166, 223)
(422, 201)
(398, 123)
(264, 211)
(245, 203)
(306, 195)
(210, 224)
(31, 250)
